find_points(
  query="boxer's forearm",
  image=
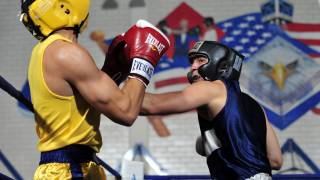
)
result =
(161, 104)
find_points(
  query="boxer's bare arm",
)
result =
(195, 95)
(273, 148)
(74, 65)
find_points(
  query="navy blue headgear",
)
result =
(223, 62)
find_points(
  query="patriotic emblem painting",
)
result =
(280, 70)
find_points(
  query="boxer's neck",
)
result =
(69, 34)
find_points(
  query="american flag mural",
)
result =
(290, 51)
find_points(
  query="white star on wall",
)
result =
(266, 34)
(229, 39)
(244, 40)
(243, 25)
(250, 18)
(227, 24)
(260, 41)
(238, 48)
(258, 26)
(251, 33)
(236, 32)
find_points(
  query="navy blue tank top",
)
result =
(241, 128)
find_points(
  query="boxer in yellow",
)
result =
(69, 92)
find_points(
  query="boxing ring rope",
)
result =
(7, 87)
(11, 90)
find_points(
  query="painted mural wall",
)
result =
(281, 43)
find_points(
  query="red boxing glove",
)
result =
(146, 45)
(140, 48)
(116, 64)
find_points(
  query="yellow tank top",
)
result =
(60, 120)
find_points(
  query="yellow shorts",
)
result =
(70, 162)
(53, 171)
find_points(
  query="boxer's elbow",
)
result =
(129, 114)
(124, 123)
(276, 162)
(129, 119)
(124, 119)
(121, 114)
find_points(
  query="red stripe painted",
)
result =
(310, 41)
(171, 81)
(314, 55)
(302, 27)
(316, 111)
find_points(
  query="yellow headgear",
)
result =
(42, 17)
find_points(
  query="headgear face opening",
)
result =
(223, 62)
(42, 17)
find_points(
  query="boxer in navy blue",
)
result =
(236, 136)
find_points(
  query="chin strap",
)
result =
(190, 78)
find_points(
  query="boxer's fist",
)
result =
(146, 42)
(116, 64)
(140, 48)
(146, 45)
(200, 146)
